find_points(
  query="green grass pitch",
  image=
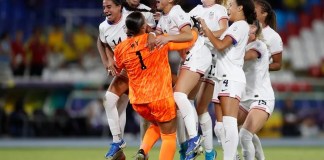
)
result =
(49, 153)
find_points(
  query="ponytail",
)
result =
(248, 9)
(271, 18)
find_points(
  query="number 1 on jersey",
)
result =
(139, 55)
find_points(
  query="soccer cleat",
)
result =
(183, 149)
(210, 155)
(195, 154)
(116, 150)
(140, 155)
(193, 144)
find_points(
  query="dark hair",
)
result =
(271, 18)
(134, 22)
(175, 2)
(248, 9)
(117, 2)
(129, 8)
(258, 26)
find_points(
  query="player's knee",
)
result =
(245, 136)
(180, 98)
(109, 97)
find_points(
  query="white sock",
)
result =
(187, 112)
(181, 129)
(219, 132)
(248, 149)
(112, 115)
(231, 137)
(259, 155)
(195, 112)
(207, 131)
(122, 104)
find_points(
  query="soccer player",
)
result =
(258, 99)
(216, 18)
(132, 5)
(267, 17)
(112, 32)
(176, 23)
(150, 85)
(229, 73)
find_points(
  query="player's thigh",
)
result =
(255, 120)
(118, 85)
(193, 93)
(187, 80)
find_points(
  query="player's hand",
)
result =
(162, 40)
(111, 68)
(151, 42)
(203, 25)
(157, 16)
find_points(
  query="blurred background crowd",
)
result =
(52, 79)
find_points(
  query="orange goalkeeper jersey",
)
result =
(148, 71)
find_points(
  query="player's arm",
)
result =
(101, 50)
(183, 45)
(107, 55)
(217, 43)
(118, 59)
(251, 54)
(223, 25)
(276, 62)
(184, 36)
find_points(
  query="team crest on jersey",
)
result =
(211, 15)
(235, 28)
(125, 28)
(181, 17)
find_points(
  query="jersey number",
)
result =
(139, 55)
(262, 102)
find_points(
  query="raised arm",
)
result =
(107, 55)
(183, 45)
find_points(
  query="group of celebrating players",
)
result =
(227, 49)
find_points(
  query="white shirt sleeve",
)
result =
(222, 13)
(149, 19)
(275, 45)
(237, 31)
(180, 17)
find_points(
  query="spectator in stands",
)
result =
(308, 127)
(82, 41)
(19, 58)
(290, 126)
(18, 120)
(38, 51)
(5, 52)
(56, 39)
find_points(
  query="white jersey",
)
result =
(172, 22)
(273, 40)
(258, 85)
(148, 15)
(230, 61)
(212, 15)
(113, 34)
